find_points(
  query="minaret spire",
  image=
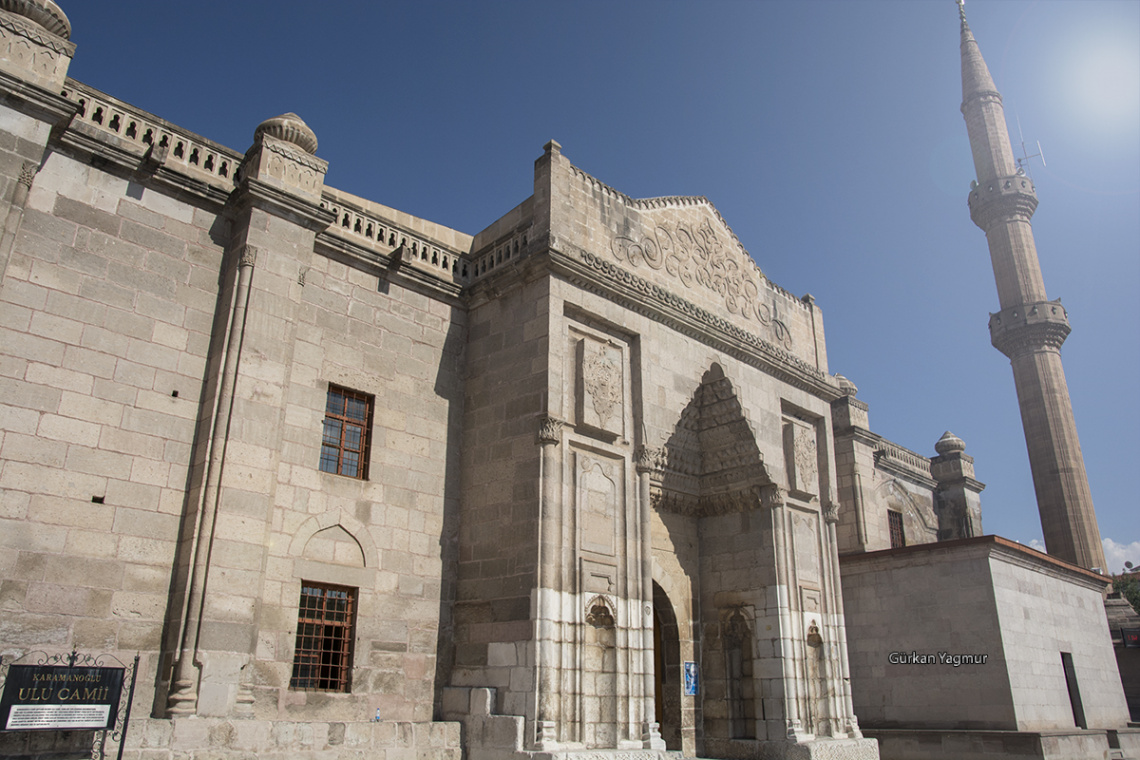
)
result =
(1029, 329)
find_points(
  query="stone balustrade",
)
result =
(184, 151)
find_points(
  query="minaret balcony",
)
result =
(1029, 327)
(1002, 199)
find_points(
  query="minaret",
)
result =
(1029, 329)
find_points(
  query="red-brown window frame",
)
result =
(326, 631)
(898, 531)
(336, 440)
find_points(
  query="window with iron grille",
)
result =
(322, 660)
(347, 431)
(898, 535)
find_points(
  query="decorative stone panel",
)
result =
(598, 503)
(600, 386)
(801, 456)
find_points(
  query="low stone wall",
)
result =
(904, 744)
(219, 739)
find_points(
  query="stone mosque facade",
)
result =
(358, 485)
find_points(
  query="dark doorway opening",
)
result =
(666, 669)
(1074, 690)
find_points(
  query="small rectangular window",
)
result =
(898, 534)
(322, 659)
(347, 433)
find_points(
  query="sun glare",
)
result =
(1103, 88)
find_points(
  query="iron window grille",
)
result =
(898, 534)
(347, 433)
(322, 659)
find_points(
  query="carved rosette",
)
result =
(549, 431)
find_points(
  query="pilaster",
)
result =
(645, 460)
(549, 588)
(276, 216)
(855, 446)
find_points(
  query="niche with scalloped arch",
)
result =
(336, 546)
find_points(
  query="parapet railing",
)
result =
(905, 458)
(504, 250)
(218, 166)
(187, 152)
(356, 225)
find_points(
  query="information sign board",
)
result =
(41, 697)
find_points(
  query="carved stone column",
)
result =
(549, 587)
(773, 499)
(844, 715)
(646, 459)
(183, 698)
(830, 622)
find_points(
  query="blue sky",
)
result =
(826, 132)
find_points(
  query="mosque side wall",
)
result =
(108, 303)
(391, 535)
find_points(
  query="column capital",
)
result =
(649, 459)
(549, 431)
(831, 514)
(772, 496)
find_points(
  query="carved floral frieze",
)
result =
(696, 256)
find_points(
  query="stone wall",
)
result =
(197, 739)
(911, 611)
(108, 305)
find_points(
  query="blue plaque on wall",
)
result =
(691, 679)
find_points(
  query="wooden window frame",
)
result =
(337, 444)
(326, 637)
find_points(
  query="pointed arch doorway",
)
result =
(666, 669)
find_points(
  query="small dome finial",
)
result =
(290, 128)
(44, 12)
(949, 444)
(846, 385)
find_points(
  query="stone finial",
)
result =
(846, 385)
(553, 147)
(949, 444)
(44, 12)
(288, 127)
